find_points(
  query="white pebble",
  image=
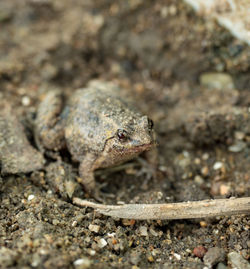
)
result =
(237, 147)
(198, 179)
(143, 230)
(25, 101)
(217, 165)
(102, 243)
(205, 156)
(92, 252)
(186, 154)
(111, 234)
(177, 256)
(239, 135)
(82, 263)
(94, 228)
(31, 197)
(153, 232)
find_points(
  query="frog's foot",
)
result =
(90, 187)
(87, 178)
(97, 195)
(147, 170)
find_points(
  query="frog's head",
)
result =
(135, 137)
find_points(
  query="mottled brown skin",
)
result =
(98, 126)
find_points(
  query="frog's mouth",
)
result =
(141, 148)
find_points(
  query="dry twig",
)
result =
(184, 210)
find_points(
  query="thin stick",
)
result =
(184, 210)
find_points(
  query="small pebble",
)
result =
(197, 161)
(203, 224)
(82, 263)
(7, 257)
(199, 251)
(111, 234)
(224, 189)
(213, 256)
(177, 256)
(217, 165)
(25, 101)
(91, 252)
(239, 135)
(199, 180)
(31, 197)
(217, 80)
(237, 147)
(143, 230)
(205, 156)
(205, 171)
(221, 266)
(135, 257)
(102, 243)
(150, 258)
(128, 222)
(55, 222)
(237, 261)
(153, 232)
(94, 228)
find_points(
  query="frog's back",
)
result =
(94, 115)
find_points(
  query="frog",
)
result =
(98, 125)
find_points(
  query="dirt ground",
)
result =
(189, 75)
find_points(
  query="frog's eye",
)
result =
(122, 134)
(150, 124)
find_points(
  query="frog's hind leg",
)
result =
(49, 131)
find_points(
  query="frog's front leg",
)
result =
(49, 131)
(87, 177)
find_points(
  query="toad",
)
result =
(98, 126)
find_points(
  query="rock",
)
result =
(59, 176)
(239, 135)
(150, 258)
(102, 243)
(135, 257)
(94, 228)
(143, 231)
(16, 152)
(217, 165)
(153, 232)
(199, 251)
(198, 180)
(221, 266)
(82, 263)
(217, 80)
(224, 189)
(232, 15)
(237, 261)
(237, 147)
(31, 197)
(7, 257)
(177, 256)
(213, 256)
